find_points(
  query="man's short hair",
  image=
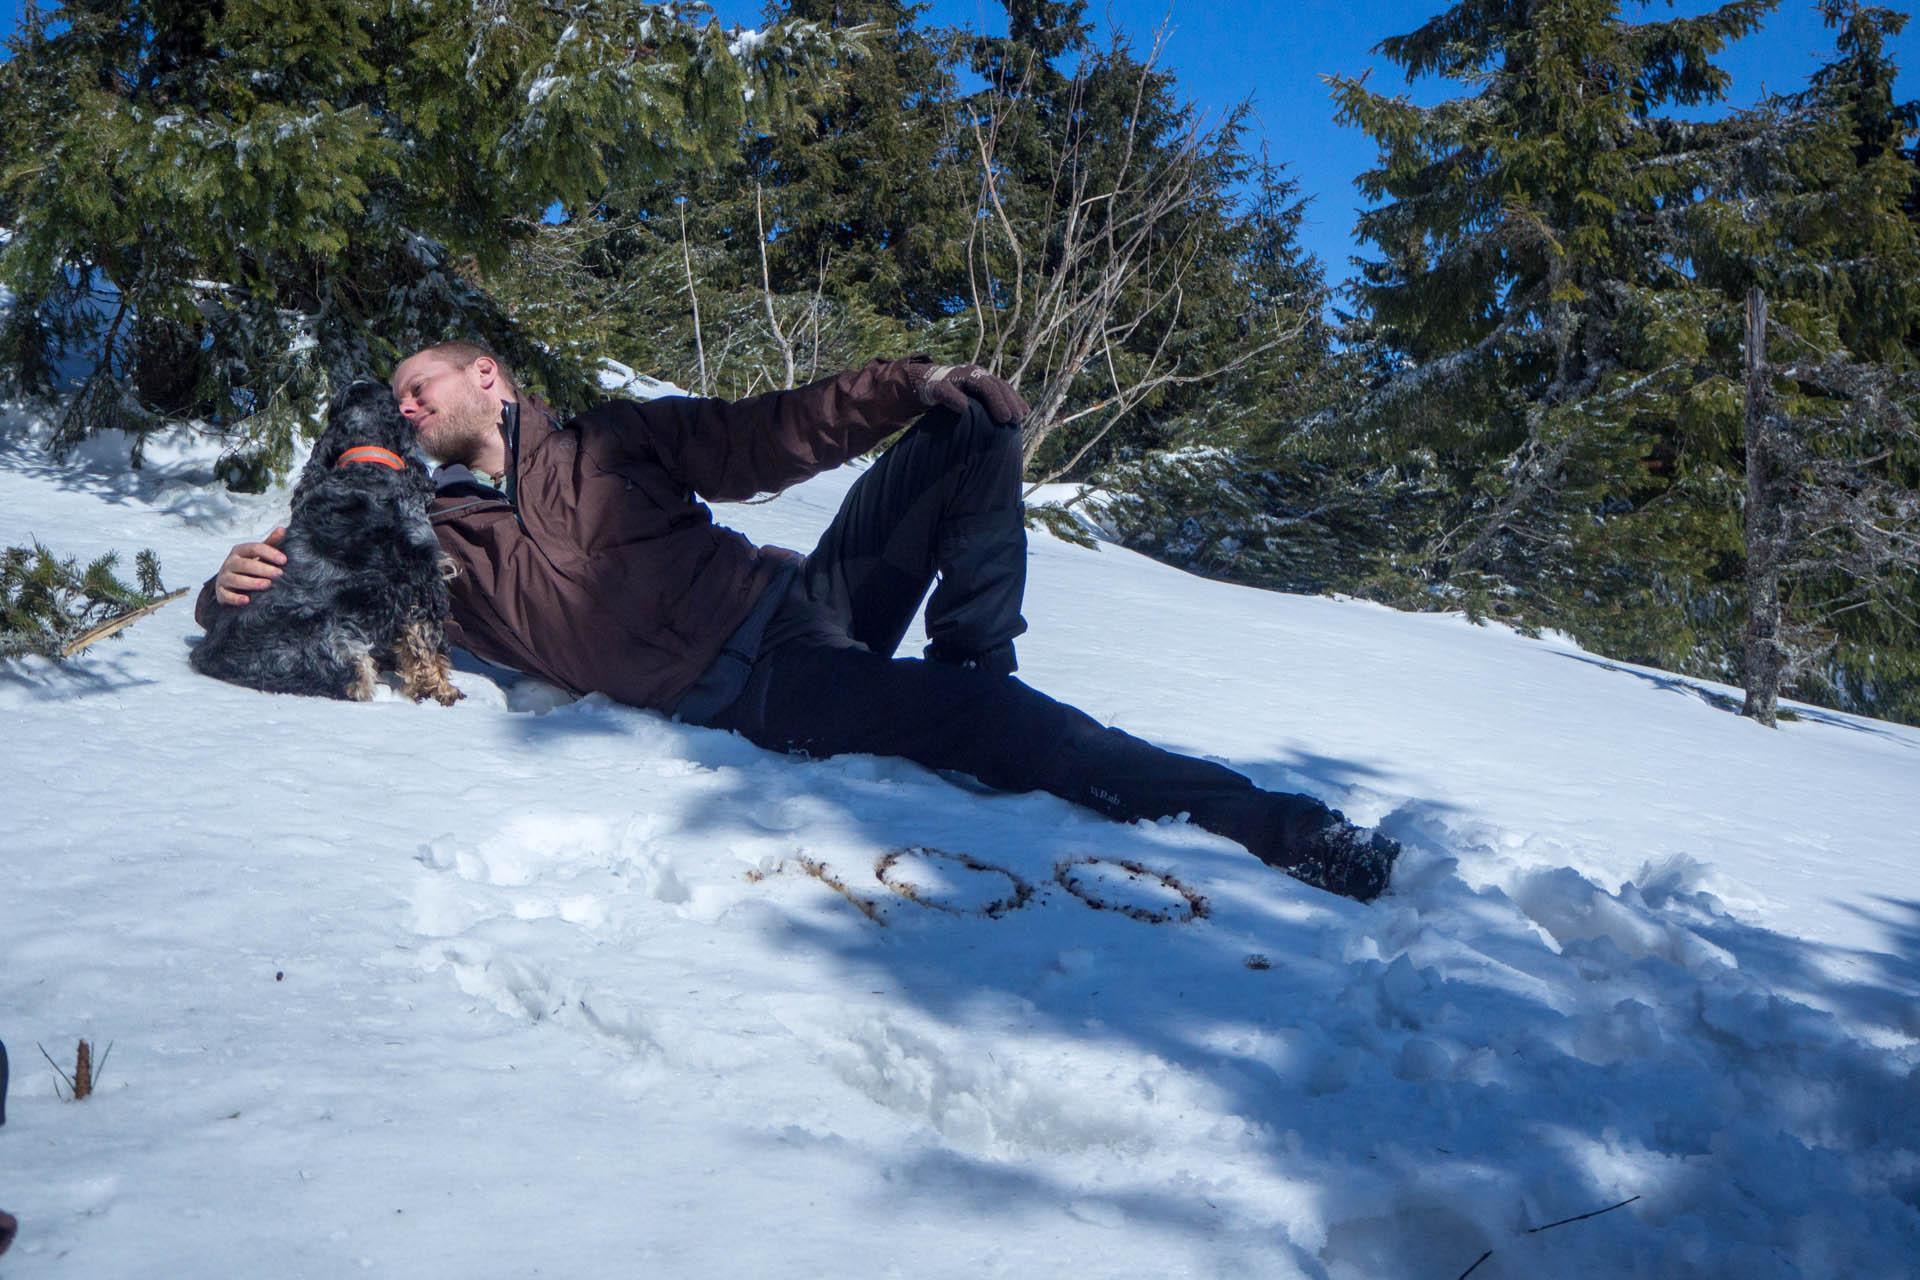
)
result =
(464, 351)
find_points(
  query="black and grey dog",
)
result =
(362, 588)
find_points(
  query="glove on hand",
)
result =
(950, 385)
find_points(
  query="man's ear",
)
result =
(487, 372)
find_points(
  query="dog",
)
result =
(363, 587)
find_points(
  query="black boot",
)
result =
(1344, 859)
(1307, 840)
(1121, 776)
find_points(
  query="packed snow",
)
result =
(533, 986)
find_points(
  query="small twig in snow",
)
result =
(1583, 1217)
(1550, 1226)
(56, 1068)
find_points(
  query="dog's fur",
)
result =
(362, 587)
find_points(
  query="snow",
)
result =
(745, 43)
(533, 986)
(617, 379)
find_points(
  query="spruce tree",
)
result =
(229, 205)
(863, 198)
(1559, 318)
(1518, 313)
(832, 238)
(1808, 222)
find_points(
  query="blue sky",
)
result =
(1275, 53)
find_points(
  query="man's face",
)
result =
(454, 411)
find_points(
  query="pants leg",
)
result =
(827, 700)
(945, 500)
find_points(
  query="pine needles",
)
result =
(48, 605)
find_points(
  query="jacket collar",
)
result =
(452, 478)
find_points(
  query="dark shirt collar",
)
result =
(457, 475)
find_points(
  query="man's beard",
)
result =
(462, 432)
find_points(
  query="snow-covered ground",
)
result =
(528, 987)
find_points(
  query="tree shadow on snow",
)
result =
(1395, 1089)
(1459, 1074)
(99, 468)
(1722, 699)
(47, 681)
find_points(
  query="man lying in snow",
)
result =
(586, 558)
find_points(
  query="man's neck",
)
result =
(492, 458)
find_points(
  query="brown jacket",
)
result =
(606, 573)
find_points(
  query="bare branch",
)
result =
(693, 296)
(1090, 272)
(779, 334)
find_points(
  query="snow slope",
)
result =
(528, 987)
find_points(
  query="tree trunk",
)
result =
(1764, 655)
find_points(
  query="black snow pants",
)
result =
(942, 508)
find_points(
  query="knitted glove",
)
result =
(950, 385)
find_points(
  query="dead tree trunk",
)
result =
(1764, 654)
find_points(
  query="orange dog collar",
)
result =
(372, 453)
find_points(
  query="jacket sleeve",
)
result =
(727, 451)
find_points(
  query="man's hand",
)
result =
(251, 566)
(950, 386)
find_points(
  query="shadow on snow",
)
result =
(1435, 1076)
